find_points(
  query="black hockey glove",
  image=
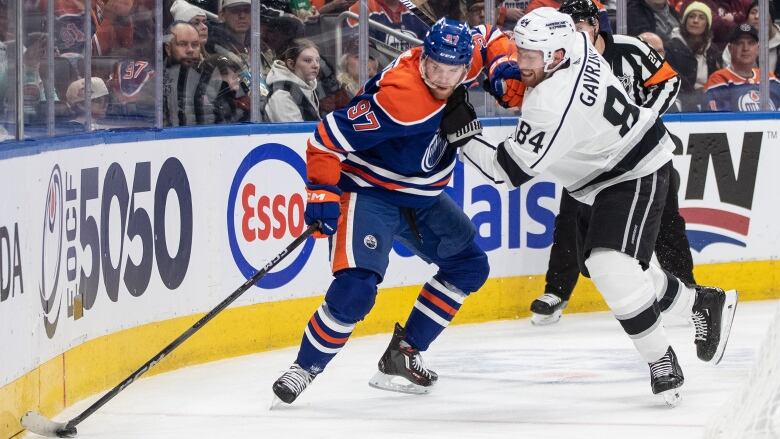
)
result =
(460, 122)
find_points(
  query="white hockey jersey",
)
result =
(580, 128)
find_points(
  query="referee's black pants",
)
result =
(671, 247)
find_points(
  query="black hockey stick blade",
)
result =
(422, 10)
(36, 423)
(39, 424)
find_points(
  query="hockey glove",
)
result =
(322, 204)
(459, 121)
(504, 82)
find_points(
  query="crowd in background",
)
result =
(207, 53)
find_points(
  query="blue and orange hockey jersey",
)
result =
(728, 91)
(387, 140)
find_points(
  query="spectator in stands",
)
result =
(691, 53)
(144, 28)
(349, 72)
(391, 13)
(232, 34)
(736, 87)
(332, 6)
(228, 94)
(35, 68)
(276, 34)
(184, 101)
(330, 91)
(449, 8)
(75, 97)
(652, 16)
(475, 13)
(132, 92)
(604, 24)
(726, 14)
(509, 12)
(774, 37)
(293, 80)
(211, 6)
(183, 11)
(304, 10)
(112, 28)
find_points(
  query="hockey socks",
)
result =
(674, 297)
(433, 311)
(630, 295)
(323, 338)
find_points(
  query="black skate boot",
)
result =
(666, 377)
(547, 309)
(292, 383)
(401, 368)
(712, 315)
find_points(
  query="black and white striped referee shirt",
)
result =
(648, 79)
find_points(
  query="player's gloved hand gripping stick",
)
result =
(322, 205)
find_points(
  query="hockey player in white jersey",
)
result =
(579, 127)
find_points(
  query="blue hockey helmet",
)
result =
(449, 42)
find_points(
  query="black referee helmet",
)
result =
(581, 10)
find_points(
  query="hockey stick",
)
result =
(422, 10)
(39, 424)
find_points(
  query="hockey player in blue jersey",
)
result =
(376, 172)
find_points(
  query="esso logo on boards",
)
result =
(265, 212)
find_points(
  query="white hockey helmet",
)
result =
(547, 30)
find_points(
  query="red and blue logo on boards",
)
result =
(728, 221)
(265, 212)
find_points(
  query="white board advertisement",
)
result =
(101, 238)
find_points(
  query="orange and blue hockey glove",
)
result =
(323, 205)
(504, 82)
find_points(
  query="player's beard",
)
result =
(440, 93)
(532, 78)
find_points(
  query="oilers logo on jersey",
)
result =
(434, 152)
(751, 101)
(397, 43)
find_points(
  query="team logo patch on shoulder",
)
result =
(370, 242)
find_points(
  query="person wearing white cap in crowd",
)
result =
(230, 37)
(183, 11)
(237, 17)
(75, 96)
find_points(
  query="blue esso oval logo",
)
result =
(265, 212)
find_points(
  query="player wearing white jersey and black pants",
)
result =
(652, 83)
(579, 127)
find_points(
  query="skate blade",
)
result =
(672, 397)
(275, 403)
(544, 320)
(727, 318)
(396, 383)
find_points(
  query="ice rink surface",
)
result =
(578, 379)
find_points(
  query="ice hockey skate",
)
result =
(547, 309)
(401, 368)
(666, 377)
(291, 384)
(712, 315)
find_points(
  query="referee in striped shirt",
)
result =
(651, 82)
